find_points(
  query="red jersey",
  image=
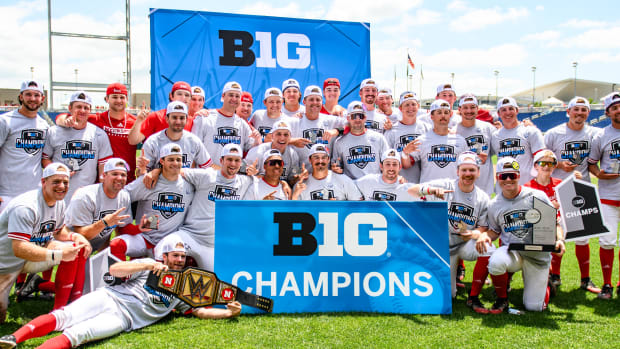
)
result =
(156, 121)
(549, 189)
(118, 131)
(484, 115)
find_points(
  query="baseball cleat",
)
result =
(475, 304)
(460, 273)
(588, 285)
(553, 289)
(556, 280)
(606, 292)
(8, 342)
(500, 306)
(31, 285)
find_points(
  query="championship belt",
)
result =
(199, 288)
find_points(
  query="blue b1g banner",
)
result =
(209, 49)
(336, 256)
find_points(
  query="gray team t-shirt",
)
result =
(259, 189)
(302, 109)
(21, 141)
(374, 188)
(375, 120)
(520, 143)
(360, 155)
(313, 130)
(478, 138)
(193, 149)
(264, 123)
(217, 130)
(292, 163)
(606, 149)
(399, 136)
(573, 146)
(437, 155)
(333, 187)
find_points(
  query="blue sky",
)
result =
(468, 38)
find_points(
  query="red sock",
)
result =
(607, 264)
(21, 278)
(47, 275)
(38, 327)
(118, 248)
(500, 282)
(583, 257)
(78, 283)
(47, 286)
(556, 262)
(58, 342)
(65, 275)
(481, 270)
(547, 296)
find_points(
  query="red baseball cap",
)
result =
(116, 88)
(247, 97)
(181, 85)
(331, 82)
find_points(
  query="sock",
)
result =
(58, 342)
(21, 278)
(38, 327)
(481, 270)
(556, 262)
(547, 296)
(47, 275)
(500, 282)
(78, 282)
(607, 264)
(47, 286)
(583, 257)
(65, 276)
(118, 248)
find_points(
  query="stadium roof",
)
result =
(564, 91)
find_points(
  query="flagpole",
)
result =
(421, 78)
(407, 77)
(394, 90)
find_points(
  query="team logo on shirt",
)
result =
(476, 143)
(615, 150)
(371, 124)
(404, 140)
(323, 194)
(226, 135)
(575, 152)
(106, 231)
(458, 212)
(315, 135)
(224, 192)
(169, 204)
(264, 130)
(44, 235)
(157, 297)
(79, 150)
(360, 156)
(510, 147)
(383, 196)
(32, 141)
(442, 155)
(516, 224)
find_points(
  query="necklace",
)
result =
(112, 125)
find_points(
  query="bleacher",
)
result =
(556, 116)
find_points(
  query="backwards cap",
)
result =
(408, 96)
(170, 149)
(368, 83)
(318, 149)
(385, 91)
(80, 96)
(56, 168)
(439, 104)
(198, 91)
(176, 107)
(579, 101)
(31, 85)
(313, 90)
(271, 153)
(356, 107)
(611, 99)
(173, 244)
(468, 99)
(468, 157)
(507, 101)
(232, 86)
(445, 87)
(273, 92)
(290, 83)
(115, 164)
(390, 154)
(232, 149)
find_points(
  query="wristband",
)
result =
(71, 236)
(105, 223)
(425, 190)
(54, 256)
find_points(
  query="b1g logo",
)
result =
(264, 130)
(476, 143)
(224, 192)
(516, 224)
(79, 150)
(102, 214)
(371, 125)
(314, 135)
(615, 150)
(295, 234)
(31, 140)
(510, 147)
(237, 50)
(460, 213)
(169, 204)
(325, 194)
(226, 135)
(44, 235)
(404, 140)
(442, 155)
(360, 156)
(575, 152)
(383, 196)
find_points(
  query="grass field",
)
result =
(574, 319)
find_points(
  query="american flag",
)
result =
(410, 61)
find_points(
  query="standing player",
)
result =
(292, 96)
(384, 103)
(368, 95)
(507, 220)
(359, 151)
(331, 91)
(477, 134)
(244, 110)
(406, 131)
(264, 119)
(606, 149)
(223, 126)
(22, 137)
(84, 148)
(324, 184)
(447, 93)
(32, 232)
(281, 136)
(516, 140)
(196, 106)
(113, 309)
(385, 186)
(268, 186)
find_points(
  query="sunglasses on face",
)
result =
(358, 116)
(274, 162)
(509, 175)
(546, 163)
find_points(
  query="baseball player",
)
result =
(110, 310)
(324, 184)
(22, 137)
(269, 185)
(467, 217)
(196, 104)
(438, 149)
(148, 123)
(477, 134)
(292, 96)
(506, 218)
(166, 203)
(331, 91)
(368, 94)
(515, 139)
(244, 110)
(447, 93)
(358, 152)
(264, 119)
(84, 148)
(406, 131)
(385, 186)
(32, 232)
(384, 103)
(194, 151)
(223, 126)
(198, 228)
(606, 149)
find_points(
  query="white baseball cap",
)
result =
(439, 104)
(115, 164)
(232, 149)
(385, 91)
(408, 96)
(173, 244)
(290, 83)
(271, 153)
(313, 90)
(445, 87)
(390, 154)
(578, 101)
(368, 83)
(356, 107)
(611, 99)
(80, 96)
(176, 107)
(197, 91)
(273, 92)
(31, 85)
(56, 168)
(280, 125)
(507, 101)
(468, 157)
(468, 99)
(232, 86)
(170, 149)
(318, 149)
(507, 164)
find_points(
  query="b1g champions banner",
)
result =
(335, 256)
(208, 49)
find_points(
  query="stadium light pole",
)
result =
(575, 80)
(496, 72)
(452, 75)
(76, 79)
(32, 73)
(533, 84)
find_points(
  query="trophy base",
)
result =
(532, 247)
